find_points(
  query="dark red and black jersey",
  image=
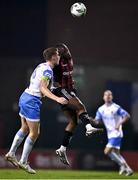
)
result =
(63, 73)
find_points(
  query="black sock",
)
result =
(67, 137)
(84, 117)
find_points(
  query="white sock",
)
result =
(115, 157)
(17, 141)
(88, 127)
(28, 145)
(124, 161)
(63, 148)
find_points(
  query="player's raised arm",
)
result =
(46, 92)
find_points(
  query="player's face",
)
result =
(64, 51)
(56, 58)
(108, 97)
(61, 50)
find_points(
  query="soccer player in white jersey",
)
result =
(30, 103)
(113, 117)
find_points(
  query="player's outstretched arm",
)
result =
(46, 92)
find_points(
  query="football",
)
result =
(78, 9)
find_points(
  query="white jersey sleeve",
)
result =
(42, 71)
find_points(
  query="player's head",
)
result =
(51, 54)
(108, 96)
(63, 50)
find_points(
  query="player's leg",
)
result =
(19, 137)
(112, 149)
(34, 129)
(125, 168)
(70, 128)
(109, 151)
(77, 105)
(68, 133)
(113, 156)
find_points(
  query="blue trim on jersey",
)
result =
(121, 112)
(98, 115)
(115, 142)
(48, 73)
(29, 106)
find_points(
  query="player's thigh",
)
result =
(76, 104)
(71, 115)
(34, 127)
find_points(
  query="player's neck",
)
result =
(108, 103)
(50, 64)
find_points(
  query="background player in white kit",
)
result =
(30, 103)
(113, 117)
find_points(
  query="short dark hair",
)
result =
(49, 52)
(61, 45)
(108, 90)
(63, 51)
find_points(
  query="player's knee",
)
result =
(25, 129)
(81, 108)
(73, 124)
(34, 135)
(107, 151)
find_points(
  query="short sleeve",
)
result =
(47, 75)
(98, 115)
(121, 112)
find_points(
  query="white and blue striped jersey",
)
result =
(42, 71)
(110, 115)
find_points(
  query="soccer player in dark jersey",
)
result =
(75, 109)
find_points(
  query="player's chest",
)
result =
(109, 113)
(66, 66)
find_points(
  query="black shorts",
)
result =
(66, 93)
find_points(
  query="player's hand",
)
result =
(62, 100)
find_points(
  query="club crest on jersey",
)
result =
(47, 73)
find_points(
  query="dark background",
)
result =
(103, 44)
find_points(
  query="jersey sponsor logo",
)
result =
(67, 73)
(64, 65)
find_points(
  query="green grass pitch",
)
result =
(62, 174)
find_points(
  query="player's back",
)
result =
(39, 72)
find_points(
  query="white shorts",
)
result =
(30, 107)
